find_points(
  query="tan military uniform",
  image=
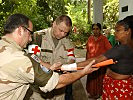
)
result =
(53, 54)
(16, 72)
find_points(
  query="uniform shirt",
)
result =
(54, 53)
(16, 72)
(97, 47)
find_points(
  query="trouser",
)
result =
(68, 92)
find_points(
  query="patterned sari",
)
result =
(117, 89)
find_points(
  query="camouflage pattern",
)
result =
(16, 72)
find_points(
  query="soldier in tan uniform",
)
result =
(54, 41)
(56, 47)
(17, 71)
(54, 50)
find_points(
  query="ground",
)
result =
(79, 90)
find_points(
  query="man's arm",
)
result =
(59, 81)
(66, 79)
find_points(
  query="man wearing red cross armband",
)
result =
(56, 47)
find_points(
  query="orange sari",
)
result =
(95, 80)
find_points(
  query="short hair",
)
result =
(14, 21)
(97, 24)
(64, 18)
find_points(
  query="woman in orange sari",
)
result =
(97, 44)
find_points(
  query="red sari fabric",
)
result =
(117, 89)
(96, 48)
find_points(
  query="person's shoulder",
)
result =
(91, 36)
(65, 38)
(25, 59)
(66, 41)
(123, 46)
(44, 31)
(103, 37)
(21, 58)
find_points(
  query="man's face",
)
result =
(60, 30)
(26, 35)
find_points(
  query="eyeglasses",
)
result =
(28, 30)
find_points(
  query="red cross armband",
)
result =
(35, 49)
(70, 54)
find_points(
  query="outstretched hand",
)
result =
(89, 69)
(56, 66)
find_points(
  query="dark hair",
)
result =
(129, 21)
(98, 24)
(123, 23)
(128, 18)
(64, 18)
(14, 21)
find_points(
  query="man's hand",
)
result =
(56, 66)
(89, 69)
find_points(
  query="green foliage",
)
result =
(78, 13)
(27, 7)
(43, 12)
(52, 8)
(30, 9)
(110, 12)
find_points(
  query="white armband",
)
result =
(69, 67)
(51, 84)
